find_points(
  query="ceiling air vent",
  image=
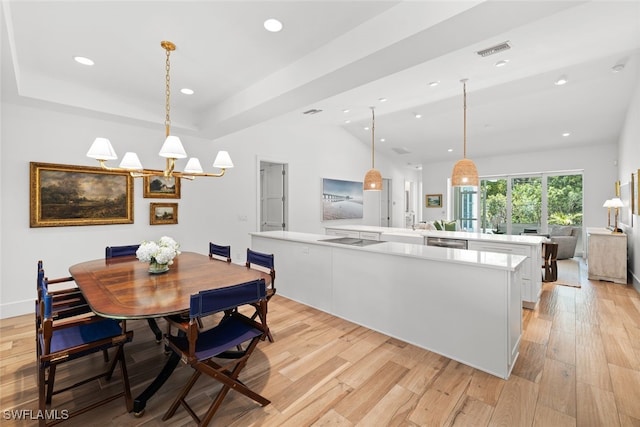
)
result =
(494, 49)
(401, 150)
(312, 111)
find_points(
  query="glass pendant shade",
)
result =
(101, 149)
(372, 180)
(464, 173)
(223, 160)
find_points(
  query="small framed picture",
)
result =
(433, 200)
(161, 187)
(163, 213)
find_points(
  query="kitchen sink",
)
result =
(352, 241)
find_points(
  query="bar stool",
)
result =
(550, 261)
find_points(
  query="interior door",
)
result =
(273, 196)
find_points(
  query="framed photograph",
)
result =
(163, 213)
(433, 200)
(65, 195)
(341, 199)
(160, 187)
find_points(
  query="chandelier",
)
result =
(171, 150)
(373, 178)
(464, 171)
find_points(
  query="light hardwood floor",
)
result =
(579, 365)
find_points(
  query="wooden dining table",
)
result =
(123, 288)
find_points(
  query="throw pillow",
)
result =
(450, 226)
(437, 225)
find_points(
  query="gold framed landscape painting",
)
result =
(433, 200)
(66, 195)
(161, 187)
(163, 213)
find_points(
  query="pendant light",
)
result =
(464, 172)
(171, 150)
(373, 179)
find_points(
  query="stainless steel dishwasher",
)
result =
(446, 242)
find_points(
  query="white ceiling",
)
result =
(337, 55)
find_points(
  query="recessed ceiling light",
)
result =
(273, 25)
(450, 150)
(347, 121)
(366, 128)
(617, 68)
(382, 99)
(382, 140)
(502, 63)
(434, 84)
(187, 91)
(346, 110)
(83, 60)
(418, 115)
(566, 134)
(561, 81)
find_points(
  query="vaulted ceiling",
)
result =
(339, 56)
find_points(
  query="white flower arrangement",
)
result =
(162, 252)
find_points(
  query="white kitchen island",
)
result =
(462, 304)
(530, 246)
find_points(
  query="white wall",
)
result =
(629, 161)
(221, 209)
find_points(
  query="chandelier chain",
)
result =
(464, 92)
(167, 120)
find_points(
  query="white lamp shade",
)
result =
(130, 161)
(172, 148)
(101, 149)
(616, 203)
(607, 204)
(223, 160)
(193, 166)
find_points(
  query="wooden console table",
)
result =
(607, 255)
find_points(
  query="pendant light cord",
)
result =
(464, 92)
(373, 139)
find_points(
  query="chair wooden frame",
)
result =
(224, 341)
(263, 262)
(63, 340)
(550, 261)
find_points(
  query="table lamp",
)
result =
(607, 204)
(616, 203)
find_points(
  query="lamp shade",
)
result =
(372, 180)
(193, 166)
(616, 203)
(130, 161)
(464, 173)
(223, 160)
(101, 149)
(607, 204)
(172, 148)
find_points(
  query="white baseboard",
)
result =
(16, 308)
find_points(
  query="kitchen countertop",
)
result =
(479, 258)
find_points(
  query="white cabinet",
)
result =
(531, 272)
(369, 235)
(607, 255)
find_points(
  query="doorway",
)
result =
(273, 196)
(386, 210)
